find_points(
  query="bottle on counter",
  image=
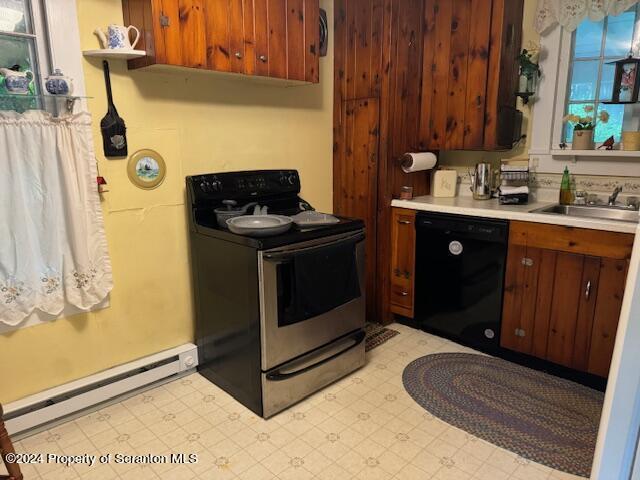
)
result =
(566, 192)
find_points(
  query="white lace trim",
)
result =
(570, 13)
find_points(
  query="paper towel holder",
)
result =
(407, 162)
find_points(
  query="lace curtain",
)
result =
(569, 13)
(53, 248)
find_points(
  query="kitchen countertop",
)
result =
(492, 209)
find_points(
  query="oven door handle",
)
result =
(280, 256)
(279, 375)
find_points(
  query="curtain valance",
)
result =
(570, 13)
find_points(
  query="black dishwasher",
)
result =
(460, 265)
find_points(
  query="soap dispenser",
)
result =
(566, 193)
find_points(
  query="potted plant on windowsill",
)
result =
(583, 127)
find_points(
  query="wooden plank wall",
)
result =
(378, 56)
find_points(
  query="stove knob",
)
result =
(292, 179)
(215, 186)
(204, 186)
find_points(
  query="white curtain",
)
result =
(570, 13)
(53, 249)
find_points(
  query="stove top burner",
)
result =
(276, 189)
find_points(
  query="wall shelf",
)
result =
(114, 54)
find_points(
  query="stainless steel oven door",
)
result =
(282, 342)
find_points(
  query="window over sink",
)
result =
(594, 45)
(576, 74)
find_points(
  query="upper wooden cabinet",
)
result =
(270, 38)
(470, 74)
(563, 294)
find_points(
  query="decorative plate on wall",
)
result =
(146, 169)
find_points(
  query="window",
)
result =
(594, 45)
(23, 46)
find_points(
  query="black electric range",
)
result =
(277, 318)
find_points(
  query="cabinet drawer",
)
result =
(401, 295)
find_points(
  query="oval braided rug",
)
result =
(543, 418)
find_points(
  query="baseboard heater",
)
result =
(60, 402)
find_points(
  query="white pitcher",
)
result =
(117, 37)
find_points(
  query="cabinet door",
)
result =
(218, 35)
(312, 41)
(564, 308)
(248, 20)
(520, 296)
(192, 33)
(610, 292)
(403, 248)
(168, 45)
(586, 311)
(236, 35)
(295, 40)
(277, 15)
(180, 37)
(261, 33)
(456, 41)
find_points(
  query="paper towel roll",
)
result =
(418, 162)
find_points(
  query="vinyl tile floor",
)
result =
(363, 427)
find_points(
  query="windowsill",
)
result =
(593, 153)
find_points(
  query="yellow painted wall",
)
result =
(199, 122)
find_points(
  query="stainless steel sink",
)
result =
(601, 211)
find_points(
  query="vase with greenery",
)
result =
(583, 127)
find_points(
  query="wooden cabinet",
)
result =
(403, 259)
(271, 38)
(470, 74)
(563, 294)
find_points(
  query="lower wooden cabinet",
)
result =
(563, 294)
(403, 259)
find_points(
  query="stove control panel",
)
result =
(237, 185)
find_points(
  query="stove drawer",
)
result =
(292, 382)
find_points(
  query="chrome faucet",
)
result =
(614, 196)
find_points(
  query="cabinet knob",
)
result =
(404, 222)
(263, 58)
(404, 294)
(587, 291)
(238, 55)
(527, 262)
